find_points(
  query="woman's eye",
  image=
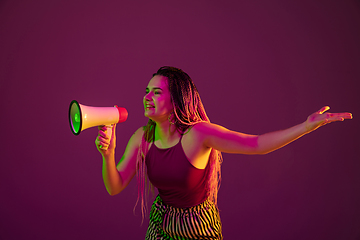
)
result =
(157, 93)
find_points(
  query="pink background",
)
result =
(260, 66)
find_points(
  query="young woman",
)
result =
(179, 151)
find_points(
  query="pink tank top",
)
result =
(180, 184)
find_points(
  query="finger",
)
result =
(103, 140)
(342, 115)
(323, 109)
(339, 118)
(102, 127)
(103, 145)
(347, 115)
(102, 134)
(98, 143)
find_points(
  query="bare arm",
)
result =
(271, 141)
(116, 178)
(222, 139)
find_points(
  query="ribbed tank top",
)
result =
(180, 184)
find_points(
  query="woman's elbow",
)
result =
(113, 192)
(261, 151)
(264, 151)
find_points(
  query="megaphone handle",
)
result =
(108, 133)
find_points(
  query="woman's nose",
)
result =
(147, 96)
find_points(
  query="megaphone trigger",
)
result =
(109, 129)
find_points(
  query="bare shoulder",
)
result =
(214, 136)
(200, 132)
(205, 129)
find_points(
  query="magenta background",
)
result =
(260, 66)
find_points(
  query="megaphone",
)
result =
(82, 117)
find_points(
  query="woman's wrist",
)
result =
(307, 127)
(109, 155)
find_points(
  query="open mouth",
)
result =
(148, 106)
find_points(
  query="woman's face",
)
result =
(157, 101)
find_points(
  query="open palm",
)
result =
(321, 118)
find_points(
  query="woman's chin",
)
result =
(149, 115)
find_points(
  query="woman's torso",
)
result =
(180, 183)
(192, 144)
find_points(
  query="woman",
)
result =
(179, 151)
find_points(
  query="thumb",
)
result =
(323, 109)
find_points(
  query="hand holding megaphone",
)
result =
(106, 138)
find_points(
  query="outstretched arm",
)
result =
(271, 141)
(224, 140)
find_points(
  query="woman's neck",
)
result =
(166, 133)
